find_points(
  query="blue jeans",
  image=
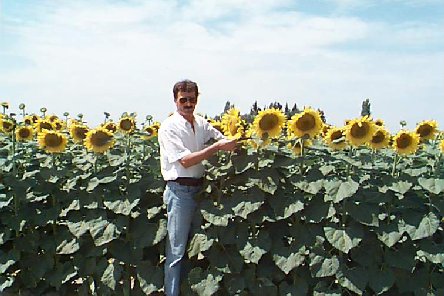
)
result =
(180, 203)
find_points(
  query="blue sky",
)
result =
(115, 56)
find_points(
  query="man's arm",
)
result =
(196, 157)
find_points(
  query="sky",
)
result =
(115, 56)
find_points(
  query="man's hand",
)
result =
(226, 144)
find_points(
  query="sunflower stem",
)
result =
(395, 160)
(438, 165)
(302, 156)
(350, 154)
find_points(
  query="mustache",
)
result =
(188, 107)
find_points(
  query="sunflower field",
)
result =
(300, 207)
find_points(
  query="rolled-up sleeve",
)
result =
(173, 146)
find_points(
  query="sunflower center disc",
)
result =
(268, 122)
(126, 125)
(378, 137)
(403, 141)
(336, 135)
(149, 130)
(359, 131)
(24, 133)
(305, 122)
(80, 132)
(424, 130)
(99, 139)
(52, 140)
(45, 125)
(7, 125)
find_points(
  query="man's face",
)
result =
(186, 102)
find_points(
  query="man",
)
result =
(181, 139)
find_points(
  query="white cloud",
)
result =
(89, 58)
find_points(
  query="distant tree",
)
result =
(228, 106)
(366, 108)
(322, 115)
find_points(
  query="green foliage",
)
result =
(268, 222)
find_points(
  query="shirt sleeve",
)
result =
(173, 146)
(213, 133)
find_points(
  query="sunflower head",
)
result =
(359, 131)
(24, 133)
(379, 122)
(126, 125)
(405, 142)
(426, 129)
(308, 122)
(268, 123)
(78, 132)
(441, 146)
(217, 125)
(28, 120)
(6, 125)
(111, 126)
(296, 147)
(335, 138)
(51, 117)
(43, 124)
(150, 130)
(99, 140)
(51, 141)
(380, 139)
(232, 124)
(58, 125)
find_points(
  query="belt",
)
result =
(187, 181)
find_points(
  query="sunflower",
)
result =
(380, 139)
(405, 142)
(126, 124)
(51, 141)
(378, 122)
(232, 124)
(308, 122)
(6, 125)
(325, 129)
(24, 133)
(359, 131)
(426, 129)
(441, 145)
(268, 123)
(217, 125)
(335, 138)
(58, 125)
(151, 131)
(43, 124)
(99, 140)
(72, 121)
(111, 126)
(51, 117)
(78, 132)
(296, 148)
(28, 120)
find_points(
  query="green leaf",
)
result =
(317, 210)
(321, 266)
(204, 283)
(310, 187)
(145, 233)
(218, 216)
(8, 259)
(287, 258)
(123, 207)
(150, 277)
(68, 246)
(254, 248)
(345, 238)
(299, 287)
(103, 231)
(6, 282)
(93, 183)
(4, 202)
(401, 187)
(427, 227)
(336, 191)
(389, 234)
(234, 284)
(112, 274)
(433, 252)
(225, 259)
(354, 279)
(402, 257)
(246, 205)
(285, 206)
(363, 213)
(76, 224)
(61, 274)
(381, 281)
(198, 244)
(435, 186)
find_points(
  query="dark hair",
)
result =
(185, 85)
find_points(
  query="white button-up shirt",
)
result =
(177, 139)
